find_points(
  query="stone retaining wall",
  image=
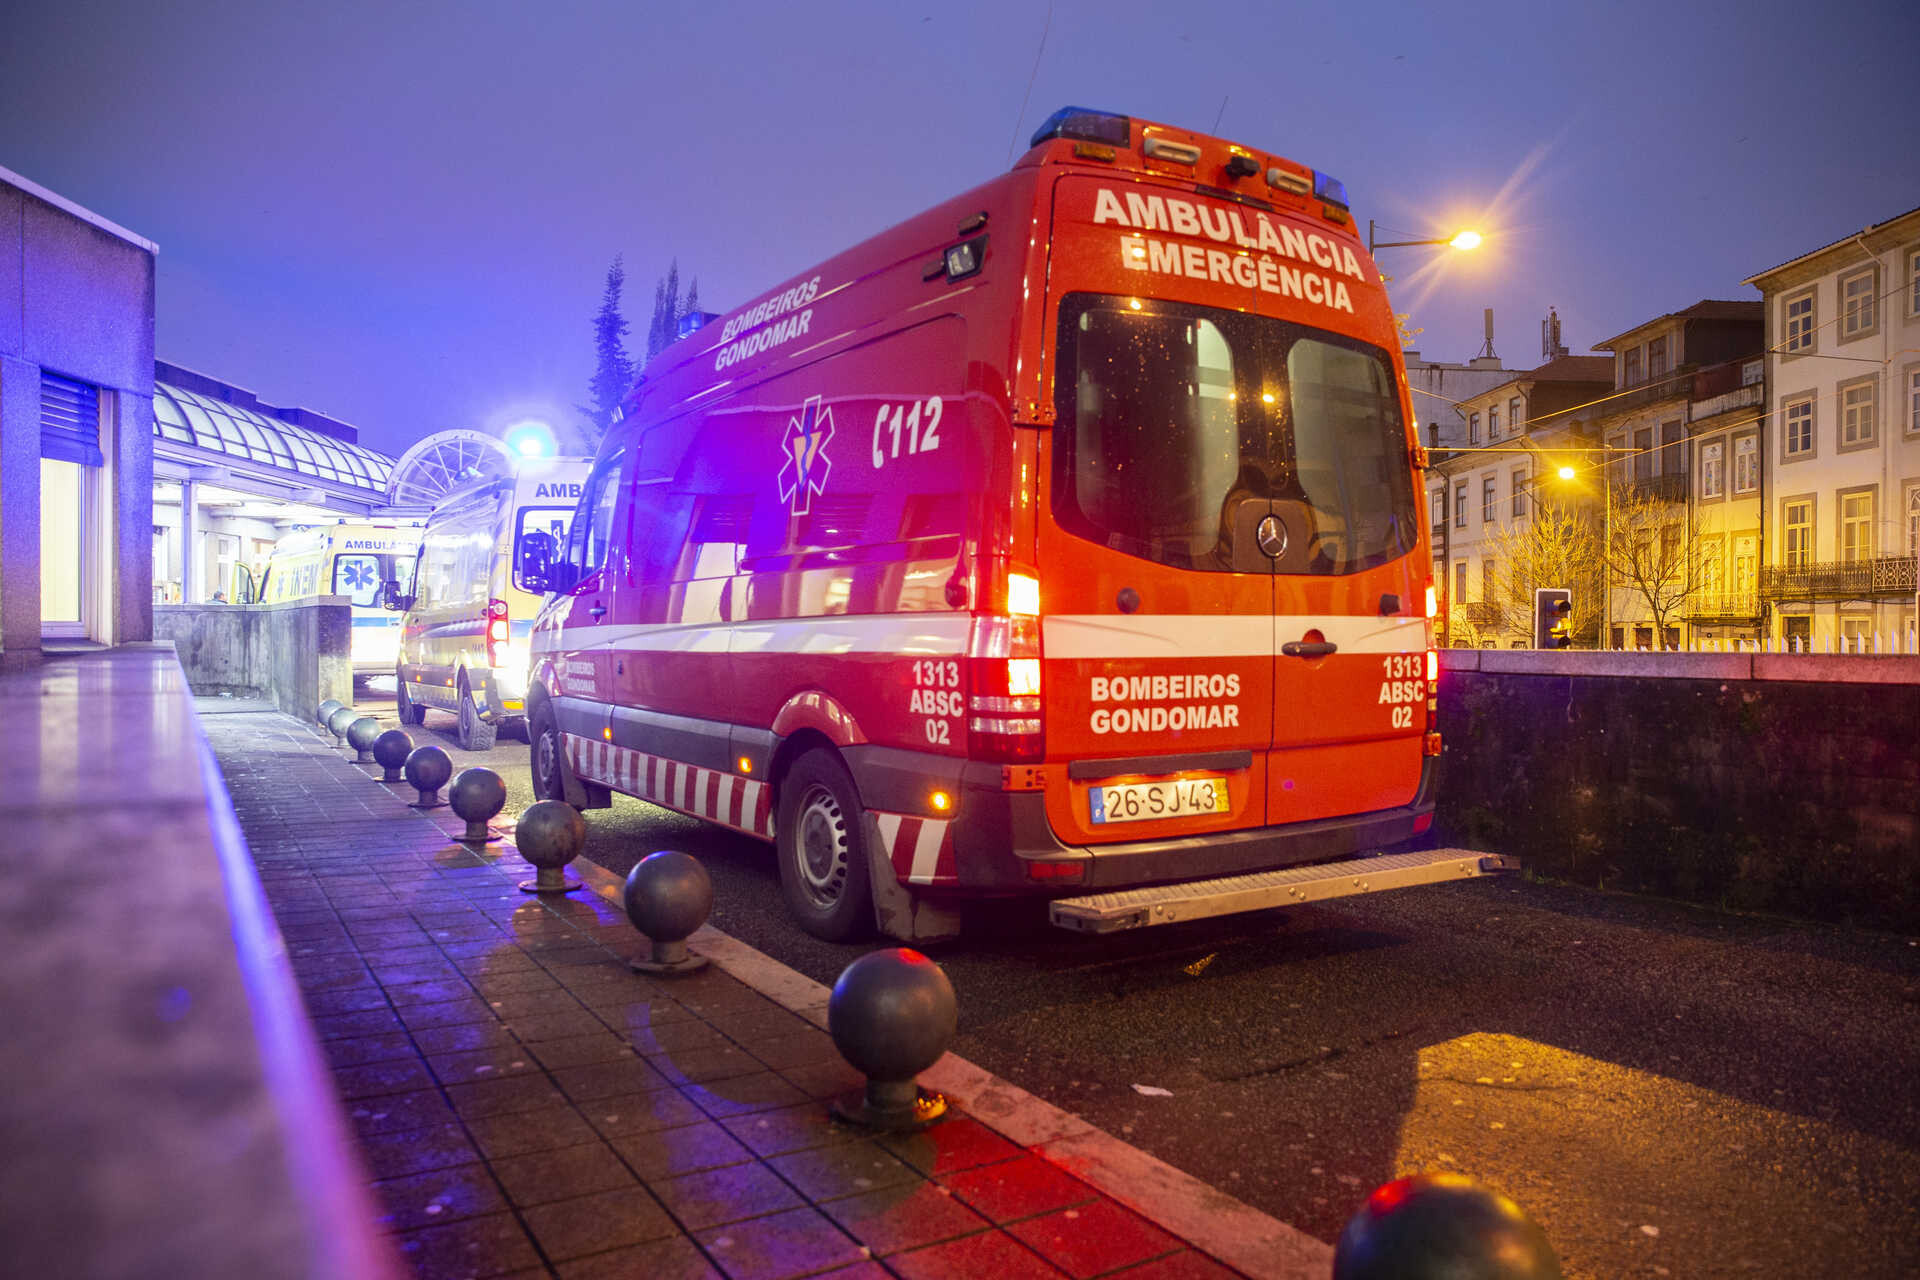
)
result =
(299, 653)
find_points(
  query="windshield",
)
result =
(554, 521)
(362, 574)
(1180, 427)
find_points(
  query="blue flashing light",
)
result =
(694, 320)
(530, 440)
(1329, 188)
(1086, 125)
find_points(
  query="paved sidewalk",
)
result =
(528, 1106)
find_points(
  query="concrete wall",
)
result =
(1763, 782)
(298, 653)
(76, 298)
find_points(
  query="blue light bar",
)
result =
(1329, 188)
(1086, 125)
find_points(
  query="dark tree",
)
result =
(613, 367)
(668, 308)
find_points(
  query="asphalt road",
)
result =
(1670, 1091)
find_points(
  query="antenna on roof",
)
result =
(1550, 347)
(1487, 352)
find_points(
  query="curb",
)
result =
(1209, 1220)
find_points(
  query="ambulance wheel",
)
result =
(822, 849)
(475, 734)
(544, 752)
(404, 706)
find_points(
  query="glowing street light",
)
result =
(530, 439)
(1459, 240)
(1567, 473)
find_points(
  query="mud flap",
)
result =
(582, 795)
(898, 912)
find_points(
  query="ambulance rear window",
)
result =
(1179, 425)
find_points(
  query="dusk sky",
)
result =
(401, 213)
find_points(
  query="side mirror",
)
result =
(538, 569)
(391, 599)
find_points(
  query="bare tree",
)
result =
(1655, 552)
(1555, 545)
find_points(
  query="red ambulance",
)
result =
(1062, 540)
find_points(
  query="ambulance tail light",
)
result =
(496, 630)
(1004, 720)
(1430, 741)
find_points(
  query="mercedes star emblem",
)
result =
(1272, 536)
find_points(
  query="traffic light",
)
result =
(1552, 618)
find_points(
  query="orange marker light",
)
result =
(746, 765)
(941, 801)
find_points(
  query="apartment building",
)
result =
(1672, 545)
(1840, 462)
(1487, 474)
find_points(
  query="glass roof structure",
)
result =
(188, 418)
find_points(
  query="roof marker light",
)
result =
(1288, 180)
(1087, 125)
(1167, 149)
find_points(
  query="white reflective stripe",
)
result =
(1089, 636)
(750, 807)
(889, 824)
(1157, 636)
(684, 801)
(926, 851)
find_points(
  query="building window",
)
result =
(1799, 326)
(1617, 452)
(1630, 368)
(1796, 521)
(1746, 464)
(1859, 304)
(1745, 563)
(1673, 448)
(1859, 411)
(1460, 582)
(1713, 469)
(1856, 526)
(1853, 634)
(1513, 414)
(1493, 422)
(1519, 491)
(1643, 455)
(1797, 630)
(1913, 282)
(1460, 505)
(1439, 506)
(1913, 400)
(1669, 549)
(1489, 579)
(1656, 357)
(1913, 520)
(1796, 435)
(1473, 428)
(1487, 486)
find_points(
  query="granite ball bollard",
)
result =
(1442, 1225)
(668, 896)
(390, 751)
(892, 1014)
(549, 835)
(427, 770)
(477, 795)
(360, 736)
(337, 723)
(324, 712)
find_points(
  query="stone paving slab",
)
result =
(527, 1105)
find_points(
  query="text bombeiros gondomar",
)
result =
(1185, 692)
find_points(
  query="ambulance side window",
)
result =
(592, 527)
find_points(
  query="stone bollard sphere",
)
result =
(337, 722)
(549, 835)
(477, 795)
(390, 751)
(325, 710)
(892, 1014)
(427, 770)
(1442, 1225)
(360, 736)
(668, 895)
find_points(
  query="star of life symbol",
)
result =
(356, 573)
(804, 473)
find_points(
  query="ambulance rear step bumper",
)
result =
(1197, 899)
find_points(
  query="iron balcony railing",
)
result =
(1840, 579)
(1671, 487)
(1724, 606)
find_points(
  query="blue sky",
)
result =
(401, 213)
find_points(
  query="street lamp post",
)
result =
(1606, 548)
(1459, 240)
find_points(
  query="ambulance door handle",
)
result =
(598, 611)
(1308, 648)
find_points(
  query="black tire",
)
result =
(543, 755)
(404, 706)
(475, 734)
(821, 847)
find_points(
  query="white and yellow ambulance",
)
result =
(355, 559)
(463, 643)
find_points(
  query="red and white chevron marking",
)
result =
(725, 798)
(921, 849)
